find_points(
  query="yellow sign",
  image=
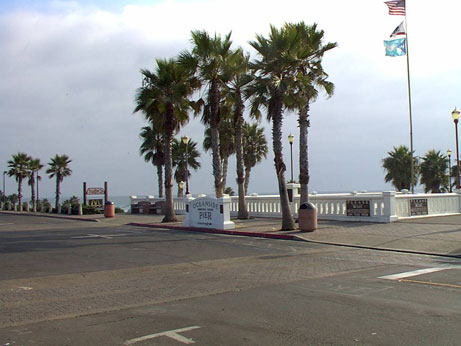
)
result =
(95, 203)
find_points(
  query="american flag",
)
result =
(396, 7)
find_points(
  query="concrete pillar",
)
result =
(389, 206)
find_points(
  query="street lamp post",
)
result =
(455, 116)
(449, 168)
(185, 140)
(290, 140)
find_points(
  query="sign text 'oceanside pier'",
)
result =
(208, 212)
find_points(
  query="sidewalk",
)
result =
(435, 236)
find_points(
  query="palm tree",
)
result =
(239, 68)
(310, 78)
(434, 172)
(59, 169)
(152, 148)
(226, 143)
(273, 79)
(255, 144)
(164, 100)
(208, 58)
(34, 166)
(398, 168)
(178, 153)
(19, 168)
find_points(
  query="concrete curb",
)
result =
(355, 246)
(55, 216)
(220, 231)
(289, 237)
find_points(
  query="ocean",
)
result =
(122, 202)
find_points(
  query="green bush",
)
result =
(73, 202)
(44, 205)
(89, 210)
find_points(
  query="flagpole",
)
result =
(412, 169)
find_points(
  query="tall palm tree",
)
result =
(19, 168)
(434, 172)
(226, 143)
(239, 68)
(34, 166)
(164, 100)
(208, 58)
(273, 79)
(152, 148)
(178, 153)
(59, 169)
(310, 78)
(255, 144)
(398, 168)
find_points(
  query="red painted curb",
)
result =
(218, 231)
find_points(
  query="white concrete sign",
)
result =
(208, 212)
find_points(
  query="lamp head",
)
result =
(455, 114)
(449, 151)
(185, 140)
(291, 138)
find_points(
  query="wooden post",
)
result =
(84, 193)
(106, 193)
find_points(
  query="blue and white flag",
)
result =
(395, 47)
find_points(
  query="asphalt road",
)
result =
(78, 283)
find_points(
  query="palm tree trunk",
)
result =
(288, 222)
(32, 191)
(243, 212)
(303, 153)
(214, 122)
(20, 192)
(247, 178)
(170, 215)
(58, 192)
(160, 180)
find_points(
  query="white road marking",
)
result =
(105, 236)
(22, 288)
(413, 273)
(173, 334)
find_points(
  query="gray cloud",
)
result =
(69, 79)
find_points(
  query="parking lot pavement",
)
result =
(431, 235)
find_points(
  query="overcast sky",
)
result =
(70, 69)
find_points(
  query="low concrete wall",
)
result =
(383, 207)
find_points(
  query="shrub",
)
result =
(119, 210)
(89, 210)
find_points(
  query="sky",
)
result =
(70, 69)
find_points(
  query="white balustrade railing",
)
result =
(386, 206)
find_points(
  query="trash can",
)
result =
(109, 209)
(307, 217)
